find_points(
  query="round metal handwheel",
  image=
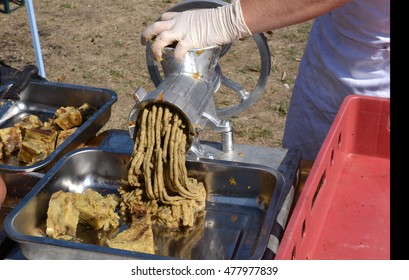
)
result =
(246, 98)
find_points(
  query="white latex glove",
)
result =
(196, 29)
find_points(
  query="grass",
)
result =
(282, 107)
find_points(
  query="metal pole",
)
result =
(34, 36)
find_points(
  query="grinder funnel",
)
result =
(187, 88)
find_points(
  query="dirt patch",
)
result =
(97, 43)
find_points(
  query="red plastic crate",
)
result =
(343, 211)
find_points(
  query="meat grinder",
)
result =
(190, 86)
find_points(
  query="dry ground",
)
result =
(96, 43)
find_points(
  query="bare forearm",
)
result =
(265, 15)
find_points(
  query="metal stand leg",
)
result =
(6, 4)
(36, 40)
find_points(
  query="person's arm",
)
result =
(225, 24)
(261, 16)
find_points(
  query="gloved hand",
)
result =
(196, 29)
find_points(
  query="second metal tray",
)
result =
(43, 99)
(237, 224)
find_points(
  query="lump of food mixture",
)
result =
(157, 175)
(32, 140)
(138, 237)
(10, 138)
(66, 210)
(68, 213)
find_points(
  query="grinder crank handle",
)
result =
(248, 98)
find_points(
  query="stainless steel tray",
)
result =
(237, 223)
(43, 99)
